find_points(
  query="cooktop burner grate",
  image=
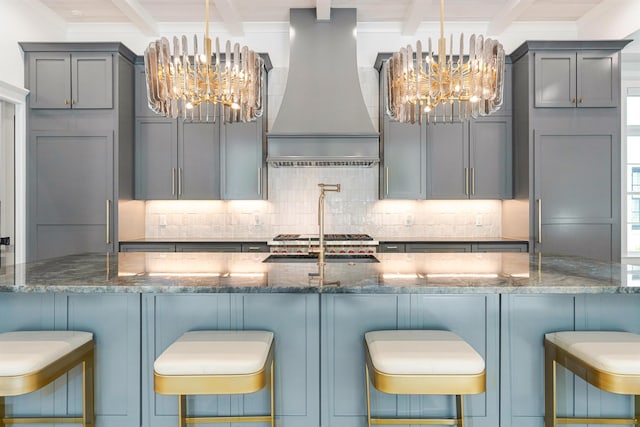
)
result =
(281, 237)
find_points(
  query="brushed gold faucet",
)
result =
(323, 188)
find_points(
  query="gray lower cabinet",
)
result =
(524, 321)
(346, 318)
(72, 193)
(114, 319)
(194, 247)
(435, 247)
(177, 159)
(65, 80)
(293, 318)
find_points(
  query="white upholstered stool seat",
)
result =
(422, 362)
(605, 359)
(30, 360)
(216, 362)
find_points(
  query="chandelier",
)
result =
(192, 85)
(437, 85)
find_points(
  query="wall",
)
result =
(24, 20)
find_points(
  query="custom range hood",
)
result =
(322, 120)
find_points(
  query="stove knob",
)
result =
(299, 251)
(332, 251)
(342, 251)
(275, 251)
(370, 251)
(351, 251)
(361, 251)
(284, 251)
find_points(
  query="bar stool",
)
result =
(216, 362)
(30, 360)
(607, 360)
(422, 362)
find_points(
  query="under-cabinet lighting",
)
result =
(184, 274)
(464, 275)
(399, 276)
(245, 275)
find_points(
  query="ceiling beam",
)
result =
(323, 10)
(416, 11)
(611, 19)
(230, 17)
(505, 17)
(138, 15)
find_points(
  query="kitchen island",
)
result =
(501, 303)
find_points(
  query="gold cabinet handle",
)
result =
(66, 102)
(466, 181)
(386, 181)
(580, 101)
(73, 102)
(391, 247)
(173, 181)
(254, 248)
(179, 181)
(108, 218)
(539, 221)
(573, 100)
(260, 181)
(473, 181)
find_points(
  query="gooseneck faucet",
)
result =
(323, 188)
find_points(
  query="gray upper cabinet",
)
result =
(177, 160)
(447, 160)
(79, 80)
(577, 79)
(490, 158)
(242, 161)
(80, 153)
(180, 159)
(448, 174)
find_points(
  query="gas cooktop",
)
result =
(283, 237)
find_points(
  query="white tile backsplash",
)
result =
(293, 203)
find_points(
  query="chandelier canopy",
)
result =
(433, 85)
(193, 84)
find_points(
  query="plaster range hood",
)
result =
(323, 120)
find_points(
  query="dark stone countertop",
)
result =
(436, 273)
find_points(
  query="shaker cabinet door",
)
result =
(241, 150)
(555, 79)
(404, 173)
(156, 159)
(198, 160)
(490, 158)
(598, 82)
(447, 161)
(50, 80)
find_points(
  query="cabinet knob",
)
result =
(66, 102)
(573, 100)
(580, 101)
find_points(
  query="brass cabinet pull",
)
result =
(173, 181)
(66, 102)
(386, 181)
(108, 218)
(473, 181)
(539, 221)
(391, 247)
(466, 181)
(260, 181)
(573, 100)
(254, 248)
(73, 102)
(580, 101)
(179, 181)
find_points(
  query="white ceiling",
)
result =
(500, 14)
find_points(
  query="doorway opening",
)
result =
(7, 184)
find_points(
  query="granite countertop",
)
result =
(245, 272)
(197, 240)
(267, 239)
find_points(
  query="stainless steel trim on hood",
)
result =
(323, 120)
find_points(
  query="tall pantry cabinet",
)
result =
(80, 145)
(566, 121)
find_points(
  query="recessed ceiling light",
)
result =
(76, 12)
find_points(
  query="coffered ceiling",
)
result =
(500, 14)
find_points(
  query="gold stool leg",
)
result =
(2, 414)
(273, 397)
(460, 410)
(88, 415)
(366, 370)
(182, 410)
(637, 410)
(550, 416)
